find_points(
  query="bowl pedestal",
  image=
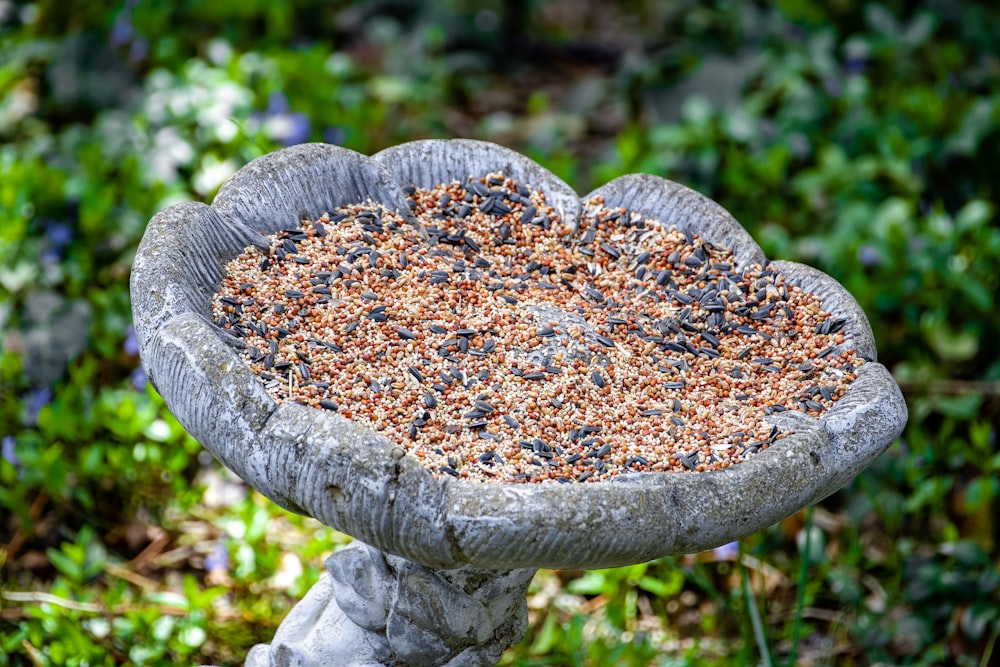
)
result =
(371, 609)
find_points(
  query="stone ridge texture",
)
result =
(353, 479)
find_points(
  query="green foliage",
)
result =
(861, 138)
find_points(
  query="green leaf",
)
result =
(919, 30)
(881, 20)
(547, 637)
(978, 294)
(962, 407)
(162, 628)
(947, 341)
(977, 617)
(975, 214)
(65, 564)
(696, 109)
(981, 491)
(168, 599)
(592, 582)
(144, 655)
(192, 636)
(656, 587)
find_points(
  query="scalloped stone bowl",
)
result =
(355, 480)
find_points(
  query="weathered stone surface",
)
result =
(433, 161)
(674, 204)
(837, 301)
(372, 609)
(358, 482)
(277, 190)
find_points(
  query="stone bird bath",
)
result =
(439, 569)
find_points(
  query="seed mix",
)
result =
(498, 341)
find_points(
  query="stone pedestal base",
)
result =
(372, 610)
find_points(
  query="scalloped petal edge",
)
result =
(355, 480)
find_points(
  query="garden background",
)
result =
(861, 138)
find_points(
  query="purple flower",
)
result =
(139, 379)
(139, 50)
(832, 86)
(8, 451)
(131, 346)
(58, 233)
(868, 256)
(794, 32)
(854, 65)
(334, 135)
(121, 32)
(298, 131)
(277, 104)
(49, 256)
(286, 126)
(730, 551)
(37, 399)
(218, 559)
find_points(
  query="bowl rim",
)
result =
(356, 481)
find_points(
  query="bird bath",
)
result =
(440, 567)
